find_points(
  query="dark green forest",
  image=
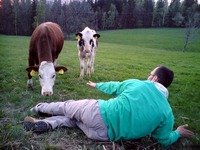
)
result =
(20, 17)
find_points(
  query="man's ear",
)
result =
(60, 69)
(32, 70)
(155, 78)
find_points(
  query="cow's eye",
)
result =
(40, 76)
(53, 76)
(92, 43)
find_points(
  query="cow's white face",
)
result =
(87, 40)
(47, 76)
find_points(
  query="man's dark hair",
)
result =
(165, 75)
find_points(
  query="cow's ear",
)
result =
(78, 36)
(32, 70)
(60, 69)
(96, 36)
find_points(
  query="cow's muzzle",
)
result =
(86, 51)
(47, 92)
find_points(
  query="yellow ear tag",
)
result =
(33, 73)
(61, 71)
(96, 37)
(77, 37)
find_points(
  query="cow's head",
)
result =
(87, 40)
(47, 75)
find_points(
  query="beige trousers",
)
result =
(82, 113)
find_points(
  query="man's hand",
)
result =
(92, 84)
(184, 132)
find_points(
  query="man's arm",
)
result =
(106, 87)
(166, 136)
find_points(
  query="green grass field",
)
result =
(122, 54)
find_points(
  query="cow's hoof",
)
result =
(89, 75)
(29, 86)
(80, 78)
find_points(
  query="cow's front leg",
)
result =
(55, 62)
(82, 67)
(92, 62)
(30, 81)
(89, 65)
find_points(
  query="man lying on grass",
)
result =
(140, 108)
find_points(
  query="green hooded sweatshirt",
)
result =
(139, 109)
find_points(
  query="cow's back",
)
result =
(46, 42)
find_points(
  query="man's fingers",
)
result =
(189, 133)
(185, 132)
(90, 83)
(185, 125)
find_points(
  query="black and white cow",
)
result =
(87, 45)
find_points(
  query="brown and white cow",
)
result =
(87, 45)
(45, 45)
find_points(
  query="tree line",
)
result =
(20, 17)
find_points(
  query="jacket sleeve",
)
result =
(164, 134)
(111, 88)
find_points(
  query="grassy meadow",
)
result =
(122, 54)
